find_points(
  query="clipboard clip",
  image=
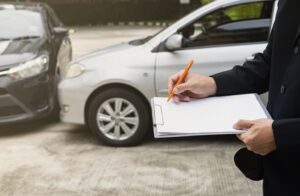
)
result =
(158, 115)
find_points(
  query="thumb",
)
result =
(181, 88)
(243, 124)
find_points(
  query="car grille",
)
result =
(10, 111)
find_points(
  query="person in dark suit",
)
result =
(274, 144)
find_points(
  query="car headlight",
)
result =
(30, 68)
(74, 70)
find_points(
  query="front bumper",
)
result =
(73, 95)
(25, 99)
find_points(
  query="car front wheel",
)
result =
(119, 117)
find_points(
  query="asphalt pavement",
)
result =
(44, 157)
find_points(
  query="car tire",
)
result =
(119, 117)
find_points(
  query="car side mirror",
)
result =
(174, 42)
(61, 31)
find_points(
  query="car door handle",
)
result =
(163, 91)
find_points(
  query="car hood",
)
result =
(106, 51)
(15, 52)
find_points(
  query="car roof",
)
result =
(23, 6)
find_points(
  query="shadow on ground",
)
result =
(23, 128)
(81, 134)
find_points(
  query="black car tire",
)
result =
(141, 107)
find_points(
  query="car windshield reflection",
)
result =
(20, 24)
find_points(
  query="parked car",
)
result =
(109, 90)
(33, 46)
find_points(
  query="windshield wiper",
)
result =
(25, 37)
(4, 39)
(140, 41)
(20, 38)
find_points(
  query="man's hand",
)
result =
(195, 86)
(259, 137)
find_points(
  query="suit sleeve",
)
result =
(251, 77)
(286, 132)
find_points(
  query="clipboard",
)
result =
(163, 119)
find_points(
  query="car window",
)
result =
(19, 23)
(244, 23)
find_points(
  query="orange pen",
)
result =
(182, 78)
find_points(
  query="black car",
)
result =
(34, 45)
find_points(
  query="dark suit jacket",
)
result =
(276, 70)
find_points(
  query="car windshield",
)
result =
(20, 23)
(146, 39)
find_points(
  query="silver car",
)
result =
(109, 90)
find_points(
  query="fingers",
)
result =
(181, 88)
(181, 98)
(243, 138)
(248, 139)
(256, 139)
(240, 137)
(243, 124)
(172, 80)
(179, 91)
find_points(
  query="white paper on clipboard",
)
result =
(210, 116)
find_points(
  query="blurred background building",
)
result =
(98, 12)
